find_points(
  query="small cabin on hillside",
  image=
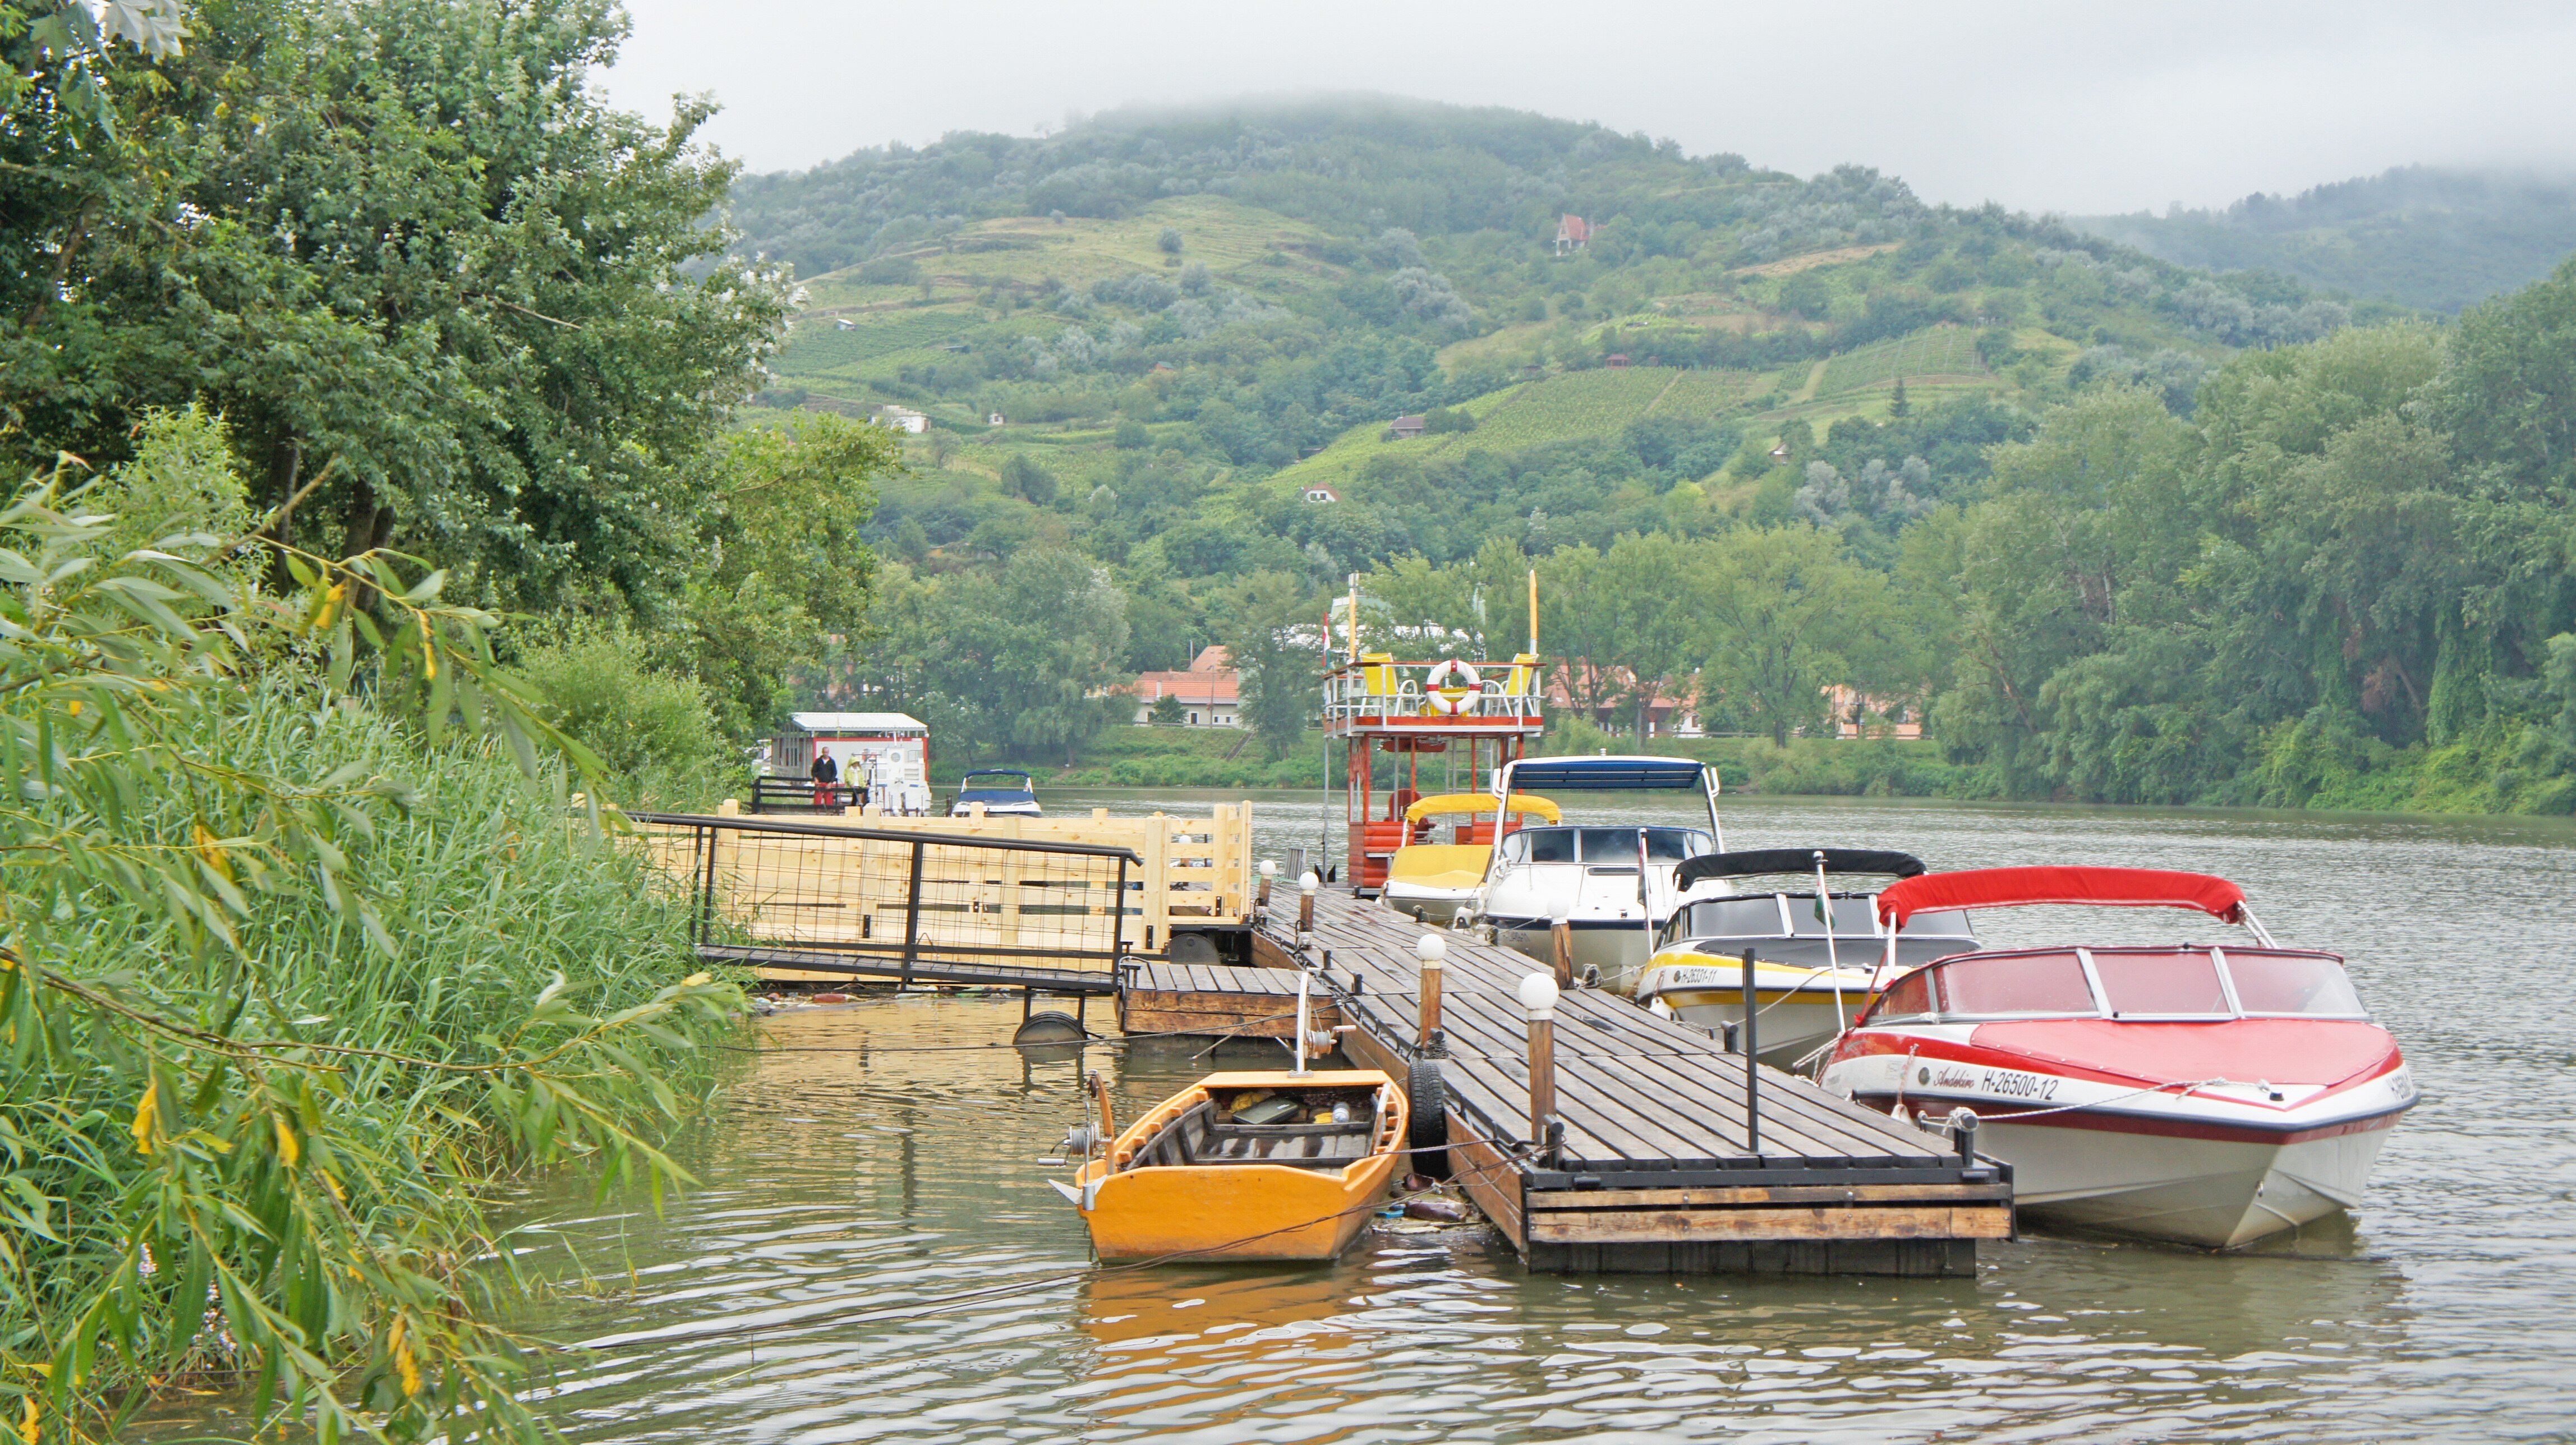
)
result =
(902, 419)
(1406, 426)
(1321, 493)
(1616, 361)
(1572, 232)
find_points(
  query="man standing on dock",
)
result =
(826, 773)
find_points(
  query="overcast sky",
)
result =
(2064, 106)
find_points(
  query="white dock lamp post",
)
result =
(1432, 950)
(1307, 883)
(1538, 995)
(1269, 870)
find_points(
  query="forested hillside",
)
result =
(2421, 236)
(1758, 433)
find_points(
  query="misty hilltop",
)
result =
(2441, 239)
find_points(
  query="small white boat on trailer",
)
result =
(1819, 955)
(1613, 887)
(2201, 1093)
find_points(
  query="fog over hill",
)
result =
(2423, 236)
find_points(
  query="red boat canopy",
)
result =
(2009, 887)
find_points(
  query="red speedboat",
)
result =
(2206, 1093)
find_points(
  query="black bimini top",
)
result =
(1797, 860)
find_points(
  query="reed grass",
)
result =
(299, 957)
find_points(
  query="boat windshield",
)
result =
(2160, 984)
(1604, 845)
(2133, 983)
(2301, 984)
(1759, 916)
(1539, 845)
(2024, 984)
(1674, 845)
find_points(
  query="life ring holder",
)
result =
(1451, 688)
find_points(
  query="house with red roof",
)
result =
(1210, 692)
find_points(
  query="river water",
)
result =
(874, 1253)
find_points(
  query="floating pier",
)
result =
(1660, 1164)
(1650, 1146)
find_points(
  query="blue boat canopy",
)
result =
(1601, 775)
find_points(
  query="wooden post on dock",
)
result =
(1269, 870)
(1752, 1062)
(1307, 883)
(1538, 995)
(1431, 949)
(1561, 934)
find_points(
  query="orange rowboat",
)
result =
(1199, 1177)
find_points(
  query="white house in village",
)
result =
(1322, 493)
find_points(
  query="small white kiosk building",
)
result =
(886, 752)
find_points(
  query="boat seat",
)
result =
(1201, 1137)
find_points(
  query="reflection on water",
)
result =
(875, 1254)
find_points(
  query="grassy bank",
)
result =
(1181, 757)
(1168, 757)
(2500, 769)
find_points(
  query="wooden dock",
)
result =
(1656, 1170)
(1217, 999)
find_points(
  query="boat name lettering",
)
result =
(2402, 1083)
(2019, 1085)
(1952, 1077)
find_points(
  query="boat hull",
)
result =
(1619, 948)
(2216, 1193)
(1242, 1212)
(1799, 1011)
(1190, 1213)
(2212, 1156)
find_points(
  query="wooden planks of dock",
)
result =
(1659, 1167)
(1218, 999)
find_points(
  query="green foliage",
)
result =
(256, 1159)
(1280, 679)
(1168, 711)
(436, 288)
(652, 730)
(2338, 585)
(779, 569)
(1020, 657)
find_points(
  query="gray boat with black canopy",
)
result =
(1809, 918)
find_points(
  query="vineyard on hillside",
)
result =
(1574, 406)
(1701, 395)
(1935, 351)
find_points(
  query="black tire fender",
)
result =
(1428, 1099)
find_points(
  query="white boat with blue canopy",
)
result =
(1612, 885)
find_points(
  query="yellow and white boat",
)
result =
(1195, 1179)
(1432, 881)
